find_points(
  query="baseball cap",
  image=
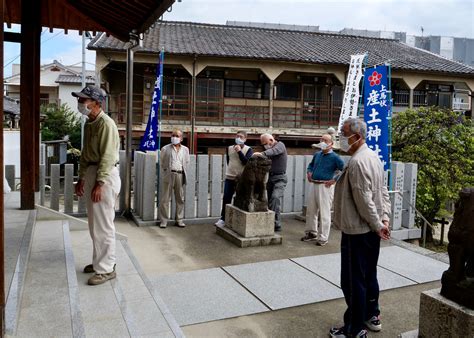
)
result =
(91, 92)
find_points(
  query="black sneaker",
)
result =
(374, 324)
(309, 237)
(339, 332)
(277, 229)
(89, 269)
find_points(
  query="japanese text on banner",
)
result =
(150, 138)
(377, 112)
(350, 100)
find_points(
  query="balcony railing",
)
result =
(461, 105)
(419, 98)
(46, 102)
(240, 113)
(401, 98)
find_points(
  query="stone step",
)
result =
(18, 232)
(56, 300)
(125, 306)
(45, 306)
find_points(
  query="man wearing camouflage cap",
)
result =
(99, 181)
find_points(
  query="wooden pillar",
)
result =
(29, 99)
(2, 212)
(36, 106)
(270, 103)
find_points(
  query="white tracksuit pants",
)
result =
(319, 202)
(101, 219)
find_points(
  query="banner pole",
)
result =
(361, 97)
(389, 77)
(162, 58)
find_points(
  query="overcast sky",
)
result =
(437, 17)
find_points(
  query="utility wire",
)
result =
(42, 42)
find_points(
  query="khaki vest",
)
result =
(235, 166)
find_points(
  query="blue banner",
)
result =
(150, 138)
(378, 112)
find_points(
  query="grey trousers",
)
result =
(175, 184)
(275, 188)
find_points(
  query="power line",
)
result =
(42, 42)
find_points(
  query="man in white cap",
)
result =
(99, 181)
(321, 172)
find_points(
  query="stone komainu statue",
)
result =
(251, 191)
(458, 280)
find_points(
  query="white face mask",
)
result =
(323, 145)
(239, 141)
(175, 140)
(344, 143)
(82, 107)
(267, 146)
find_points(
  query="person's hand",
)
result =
(309, 174)
(256, 154)
(237, 148)
(96, 194)
(79, 188)
(384, 232)
(329, 183)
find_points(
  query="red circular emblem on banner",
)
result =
(374, 79)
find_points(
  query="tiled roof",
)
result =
(184, 38)
(11, 106)
(74, 79)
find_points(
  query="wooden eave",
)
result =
(114, 17)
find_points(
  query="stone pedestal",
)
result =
(246, 229)
(440, 317)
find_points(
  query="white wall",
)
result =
(65, 96)
(446, 48)
(11, 149)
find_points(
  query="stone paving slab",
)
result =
(122, 307)
(329, 268)
(205, 295)
(283, 283)
(411, 265)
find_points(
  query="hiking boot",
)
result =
(321, 243)
(374, 324)
(89, 269)
(309, 237)
(220, 223)
(101, 278)
(277, 229)
(341, 333)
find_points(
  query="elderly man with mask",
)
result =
(174, 162)
(237, 157)
(362, 213)
(276, 151)
(321, 172)
(99, 181)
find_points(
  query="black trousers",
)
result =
(229, 190)
(359, 256)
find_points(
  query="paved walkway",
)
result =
(231, 291)
(192, 280)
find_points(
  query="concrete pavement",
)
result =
(170, 250)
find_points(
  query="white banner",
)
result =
(350, 101)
